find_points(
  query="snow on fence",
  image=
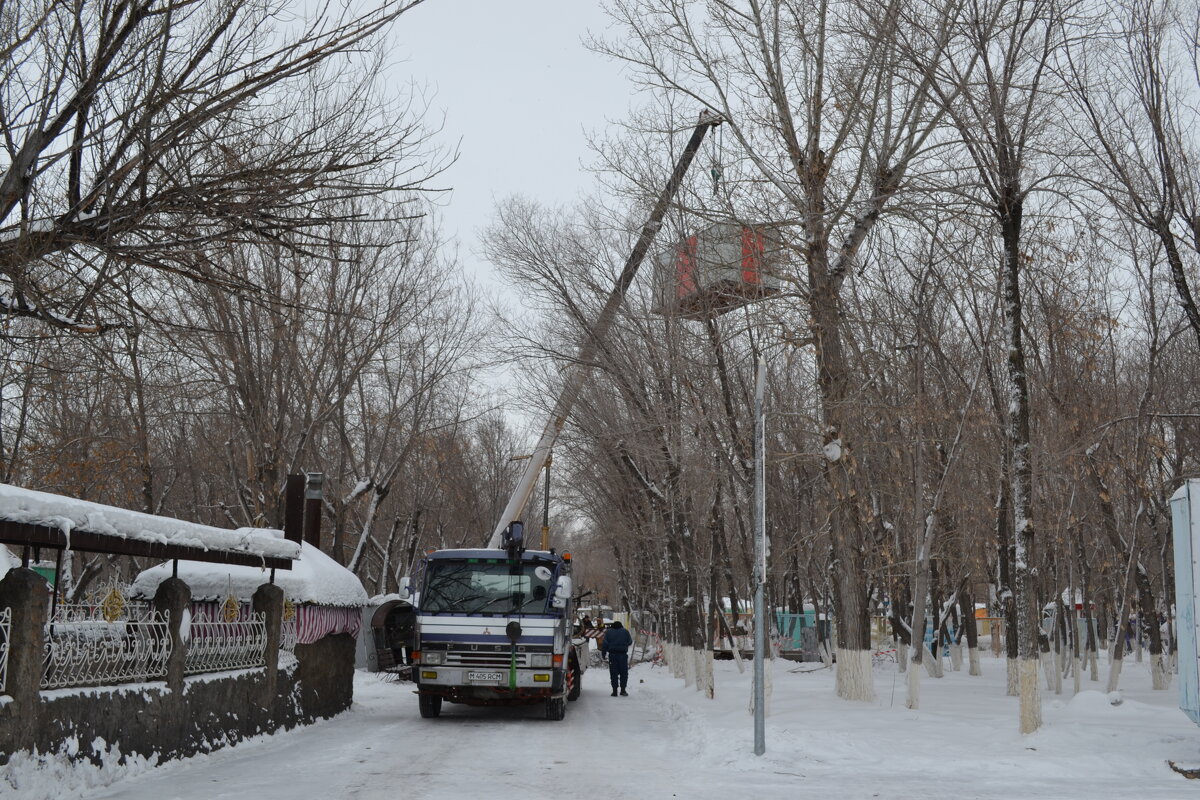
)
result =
(216, 645)
(5, 628)
(87, 645)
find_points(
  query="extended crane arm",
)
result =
(578, 372)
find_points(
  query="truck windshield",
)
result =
(485, 586)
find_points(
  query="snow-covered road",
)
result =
(667, 740)
(383, 750)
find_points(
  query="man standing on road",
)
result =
(615, 645)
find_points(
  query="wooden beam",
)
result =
(23, 533)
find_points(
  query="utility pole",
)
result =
(760, 560)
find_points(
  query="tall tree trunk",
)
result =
(821, 620)
(1149, 609)
(1021, 477)
(900, 632)
(967, 603)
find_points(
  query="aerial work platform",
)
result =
(717, 269)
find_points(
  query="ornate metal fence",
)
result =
(215, 645)
(91, 645)
(5, 632)
(287, 642)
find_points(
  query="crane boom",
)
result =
(577, 373)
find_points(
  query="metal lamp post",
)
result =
(760, 559)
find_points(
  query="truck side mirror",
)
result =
(562, 592)
(405, 587)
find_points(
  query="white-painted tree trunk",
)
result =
(1114, 674)
(901, 658)
(927, 660)
(912, 695)
(1011, 682)
(956, 657)
(688, 657)
(1160, 678)
(1060, 663)
(1078, 673)
(853, 678)
(768, 669)
(1047, 662)
(1031, 705)
(737, 655)
(973, 661)
(1094, 661)
(706, 682)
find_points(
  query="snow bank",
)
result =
(668, 740)
(42, 776)
(68, 514)
(314, 578)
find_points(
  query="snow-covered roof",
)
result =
(70, 515)
(314, 578)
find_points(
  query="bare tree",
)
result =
(1000, 99)
(148, 136)
(1133, 85)
(819, 100)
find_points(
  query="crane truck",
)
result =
(494, 627)
(494, 624)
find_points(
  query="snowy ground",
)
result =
(666, 740)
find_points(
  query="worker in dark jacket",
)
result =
(615, 645)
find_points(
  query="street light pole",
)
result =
(760, 559)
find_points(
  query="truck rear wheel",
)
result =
(556, 708)
(431, 705)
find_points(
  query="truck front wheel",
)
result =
(431, 705)
(556, 708)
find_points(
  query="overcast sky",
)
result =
(519, 92)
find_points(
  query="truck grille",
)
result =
(472, 658)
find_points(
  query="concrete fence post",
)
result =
(28, 595)
(172, 599)
(268, 599)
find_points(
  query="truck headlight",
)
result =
(432, 657)
(539, 660)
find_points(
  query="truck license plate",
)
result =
(485, 676)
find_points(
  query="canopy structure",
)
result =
(327, 598)
(39, 519)
(315, 578)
